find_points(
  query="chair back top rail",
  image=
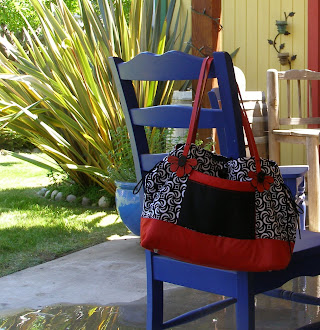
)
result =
(299, 75)
(171, 65)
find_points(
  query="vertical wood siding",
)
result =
(248, 24)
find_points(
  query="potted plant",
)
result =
(128, 205)
(122, 171)
(282, 26)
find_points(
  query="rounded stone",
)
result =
(103, 202)
(54, 193)
(85, 201)
(71, 198)
(42, 191)
(47, 194)
(59, 196)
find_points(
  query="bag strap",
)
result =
(194, 120)
(203, 77)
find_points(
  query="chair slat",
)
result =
(299, 98)
(299, 121)
(310, 98)
(288, 99)
(176, 116)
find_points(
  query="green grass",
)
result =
(34, 229)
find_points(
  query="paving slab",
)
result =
(109, 273)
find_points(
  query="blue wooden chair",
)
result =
(241, 287)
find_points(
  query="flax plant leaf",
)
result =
(58, 91)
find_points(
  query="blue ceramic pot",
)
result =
(128, 205)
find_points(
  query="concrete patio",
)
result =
(113, 274)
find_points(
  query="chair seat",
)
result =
(308, 244)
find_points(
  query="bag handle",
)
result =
(194, 120)
(203, 77)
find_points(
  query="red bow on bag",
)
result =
(260, 180)
(181, 165)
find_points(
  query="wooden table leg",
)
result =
(312, 145)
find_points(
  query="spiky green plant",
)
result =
(59, 93)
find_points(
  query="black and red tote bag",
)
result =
(210, 210)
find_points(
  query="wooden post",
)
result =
(312, 145)
(205, 26)
(273, 113)
(314, 51)
(314, 64)
(205, 40)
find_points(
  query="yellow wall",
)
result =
(248, 24)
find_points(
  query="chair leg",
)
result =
(154, 297)
(245, 308)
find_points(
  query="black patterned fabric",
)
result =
(270, 214)
(219, 212)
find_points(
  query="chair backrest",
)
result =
(170, 66)
(296, 81)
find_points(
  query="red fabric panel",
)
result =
(220, 183)
(214, 251)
